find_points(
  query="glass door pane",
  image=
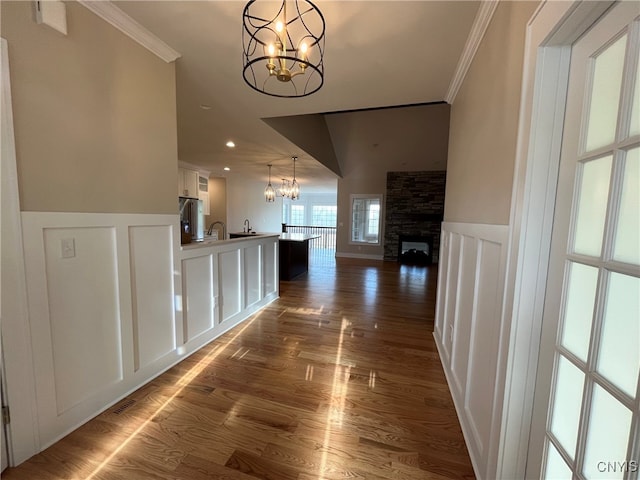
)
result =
(592, 206)
(620, 336)
(581, 299)
(627, 243)
(605, 95)
(607, 437)
(568, 393)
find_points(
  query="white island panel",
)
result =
(270, 266)
(230, 275)
(198, 300)
(253, 274)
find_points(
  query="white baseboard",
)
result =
(359, 255)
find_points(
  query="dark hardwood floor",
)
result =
(338, 379)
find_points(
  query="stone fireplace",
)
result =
(414, 210)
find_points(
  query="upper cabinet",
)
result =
(187, 183)
(203, 194)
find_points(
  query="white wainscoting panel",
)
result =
(253, 274)
(105, 301)
(81, 263)
(199, 290)
(483, 351)
(81, 298)
(152, 289)
(469, 333)
(465, 288)
(230, 283)
(451, 294)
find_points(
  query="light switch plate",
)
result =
(68, 247)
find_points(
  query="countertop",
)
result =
(297, 237)
(215, 243)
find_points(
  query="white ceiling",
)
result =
(377, 54)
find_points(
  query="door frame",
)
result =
(550, 32)
(23, 440)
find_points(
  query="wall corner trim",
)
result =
(478, 29)
(111, 14)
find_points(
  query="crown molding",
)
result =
(478, 29)
(127, 25)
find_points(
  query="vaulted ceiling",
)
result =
(377, 54)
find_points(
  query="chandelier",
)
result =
(290, 189)
(283, 47)
(269, 192)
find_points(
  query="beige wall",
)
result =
(217, 200)
(484, 122)
(415, 139)
(94, 116)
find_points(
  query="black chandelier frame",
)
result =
(261, 69)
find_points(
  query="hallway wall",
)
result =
(471, 332)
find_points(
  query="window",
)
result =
(324, 215)
(365, 219)
(297, 214)
(373, 219)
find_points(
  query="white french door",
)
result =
(588, 372)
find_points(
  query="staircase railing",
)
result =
(327, 239)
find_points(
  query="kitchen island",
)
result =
(225, 281)
(294, 254)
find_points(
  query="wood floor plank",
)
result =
(260, 467)
(195, 468)
(337, 379)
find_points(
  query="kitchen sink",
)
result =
(242, 234)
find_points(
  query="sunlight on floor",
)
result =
(306, 311)
(182, 383)
(335, 413)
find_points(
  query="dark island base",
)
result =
(294, 258)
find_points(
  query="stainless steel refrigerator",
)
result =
(192, 218)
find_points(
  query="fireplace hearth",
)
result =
(415, 249)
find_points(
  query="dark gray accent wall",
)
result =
(414, 206)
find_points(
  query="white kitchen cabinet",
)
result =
(203, 194)
(187, 183)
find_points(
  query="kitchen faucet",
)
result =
(224, 228)
(247, 226)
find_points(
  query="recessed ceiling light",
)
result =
(230, 144)
(226, 169)
(204, 106)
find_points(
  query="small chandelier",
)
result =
(295, 186)
(269, 192)
(285, 188)
(283, 49)
(290, 189)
